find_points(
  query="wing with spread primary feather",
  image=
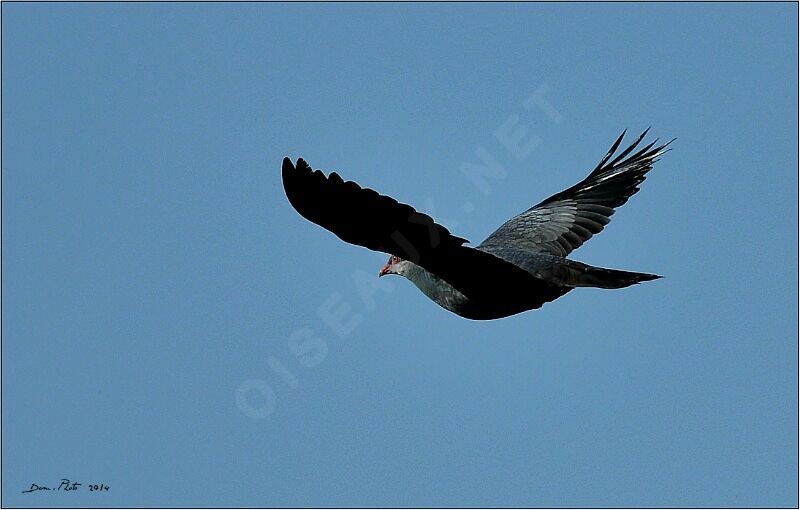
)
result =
(566, 220)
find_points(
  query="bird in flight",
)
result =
(520, 266)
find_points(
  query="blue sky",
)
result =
(175, 330)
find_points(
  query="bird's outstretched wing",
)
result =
(360, 215)
(366, 218)
(566, 220)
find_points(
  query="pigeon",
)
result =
(519, 267)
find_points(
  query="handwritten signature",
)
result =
(67, 485)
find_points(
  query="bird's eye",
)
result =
(395, 259)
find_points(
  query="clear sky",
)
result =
(175, 330)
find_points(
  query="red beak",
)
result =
(384, 270)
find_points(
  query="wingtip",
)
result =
(300, 166)
(619, 139)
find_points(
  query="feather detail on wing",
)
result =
(566, 220)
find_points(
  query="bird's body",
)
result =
(493, 304)
(519, 267)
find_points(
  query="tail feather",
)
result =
(583, 275)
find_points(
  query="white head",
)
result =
(431, 285)
(396, 265)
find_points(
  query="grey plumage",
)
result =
(566, 220)
(520, 266)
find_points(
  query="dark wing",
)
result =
(360, 215)
(566, 220)
(363, 217)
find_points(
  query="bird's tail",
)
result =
(584, 275)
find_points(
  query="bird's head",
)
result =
(395, 265)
